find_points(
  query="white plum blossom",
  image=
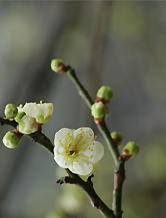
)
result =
(41, 112)
(77, 149)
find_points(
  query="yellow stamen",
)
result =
(58, 153)
(20, 106)
(65, 163)
(87, 163)
(41, 101)
(86, 137)
(95, 136)
(91, 149)
(91, 156)
(90, 134)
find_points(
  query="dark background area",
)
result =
(119, 44)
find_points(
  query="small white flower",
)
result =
(27, 125)
(41, 112)
(77, 150)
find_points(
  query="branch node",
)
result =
(66, 180)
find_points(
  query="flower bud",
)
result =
(19, 116)
(130, 150)
(99, 110)
(11, 140)
(10, 111)
(117, 138)
(104, 94)
(28, 125)
(58, 66)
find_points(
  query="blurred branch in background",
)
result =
(99, 30)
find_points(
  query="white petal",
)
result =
(46, 108)
(32, 110)
(60, 158)
(61, 135)
(95, 152)
(83, 169)
(84, 135)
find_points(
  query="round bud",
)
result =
(28, 125)
(130, 150)
(11, 140)
(117, 138)
(58, 66)
(19, 116)
(105, 94)
(10, 111)
(99, 110)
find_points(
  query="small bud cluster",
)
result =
(29, 119)
(99, 110)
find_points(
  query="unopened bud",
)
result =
(117, 138)
(10, 111)
(19, 116)
(58, 66)
(99, 110)
(28, 125)
(130, 150)
(11, 140)
(104, 94)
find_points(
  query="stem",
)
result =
(120, 171)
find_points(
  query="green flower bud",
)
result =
(19, 116)
(58, 66)
(28, 125)
(105, 94)
(11, 140)
(117, 137)
(99, 110)
(130, 150)
(10, 111)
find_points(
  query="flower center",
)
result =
(72, 150)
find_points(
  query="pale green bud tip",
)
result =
(131, 148)
(58, 66)
(10, 111)
(11, 140)
(99, 110)
(117, 137)
(105, 93)
(28, 125)
(19, 116)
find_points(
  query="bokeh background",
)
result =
(116, 43)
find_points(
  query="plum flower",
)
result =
(41, 112)
(77, 150)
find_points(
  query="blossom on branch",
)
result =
(77, 150)
(41, 112)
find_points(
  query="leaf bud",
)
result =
(99, 110)
(11, 139)
(117, 138)
(10, 111)
(19, 116)
(130, 150)
(104, 94)
(27, 125)
(58, 66)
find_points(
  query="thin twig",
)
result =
(119, 164)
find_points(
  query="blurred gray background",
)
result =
(119, 44)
